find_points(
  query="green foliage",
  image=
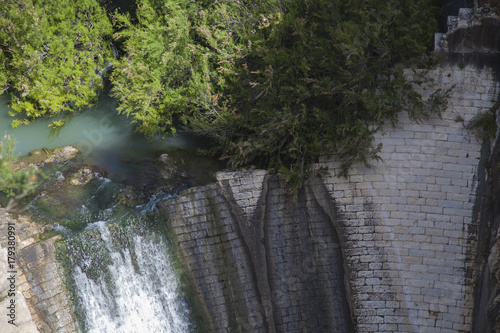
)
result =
(484, 124)
(52, 54)
(14, 183)
(320, 77)
(178, 54)
(273, 83)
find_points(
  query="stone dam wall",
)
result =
(260, 262)
(409, 227)
(391, 248)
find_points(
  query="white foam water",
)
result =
(144, 297)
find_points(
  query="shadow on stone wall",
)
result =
(275, 268)
(487, 225)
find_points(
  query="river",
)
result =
(122, 275)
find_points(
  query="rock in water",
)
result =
(82, 177)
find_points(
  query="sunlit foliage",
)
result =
(52, 54)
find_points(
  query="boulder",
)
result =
(82, 177)
(40, 157)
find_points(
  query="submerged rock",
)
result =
(82, 177)
(150, 176)
(63, 154)
(61, 195)
(40, 157)
(164, 158)
(129, 197)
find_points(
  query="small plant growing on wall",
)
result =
(484, 125)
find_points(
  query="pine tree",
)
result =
(52, 55)
(320, 77)
(178, 55)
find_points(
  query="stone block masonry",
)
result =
(259, 262)
(406, 220)
(21, 316)
(400, 234)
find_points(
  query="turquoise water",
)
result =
(99, 128)
(136, 288)
(108, 140)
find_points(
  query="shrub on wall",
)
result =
(321, 77)
(484, 124)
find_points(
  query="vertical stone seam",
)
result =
(178, 207)
(254, 242)
(260, 217)
(319, 192)
(478, 242)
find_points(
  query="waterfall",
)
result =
(124, 281)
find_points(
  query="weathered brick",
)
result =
(437, 162)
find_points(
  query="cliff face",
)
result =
(39, 297)
(259, 261)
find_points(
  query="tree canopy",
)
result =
(274, 84)
(178, 55)
(52, 54)
(319, 77)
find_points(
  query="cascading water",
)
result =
(123, 276)
(119, 266)
(144, 295)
